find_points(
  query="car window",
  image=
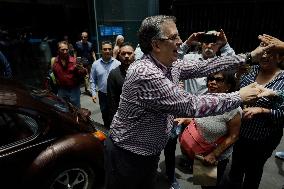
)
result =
(47, 98)
(15, 127)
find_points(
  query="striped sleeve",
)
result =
(158, 93)
(201, 68)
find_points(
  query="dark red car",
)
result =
(47, 143)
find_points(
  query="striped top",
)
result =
(150, 100)
(264, 126)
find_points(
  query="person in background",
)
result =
(68, 74)
(222, 130)
(118, 42)
(206, 45)
(212, 42)
(151, 98)
(45, 55)
(98, 78)
(278, 47)
(5, 68)
(116, 78)
(138, 53)
(70, 46)
(85, 50)
(262, 123)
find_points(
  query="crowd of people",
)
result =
(231, 103)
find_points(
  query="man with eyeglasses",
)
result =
(151, 98)
(84, 50)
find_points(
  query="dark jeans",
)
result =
(248, 160)
(127, 170)
(87, 77)
(104, 109)
(71, 95)
(170, 158)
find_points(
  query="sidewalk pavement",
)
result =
(272, 178)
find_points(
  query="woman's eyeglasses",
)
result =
(217, 79)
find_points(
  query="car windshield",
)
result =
(50, 99)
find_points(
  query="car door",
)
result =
(19, 144)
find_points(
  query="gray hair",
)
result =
(150, 29)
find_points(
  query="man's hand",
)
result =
(249, 92)
(94, 98)
(254, 91)
(79, 66)
(193, 38)
(221, 38)
(80, 69)
(265, 91)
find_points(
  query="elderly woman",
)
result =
(262, 124)
(221, 129)
(118, 42)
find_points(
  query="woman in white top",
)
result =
(212, 128)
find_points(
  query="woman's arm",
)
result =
(276, 114)
(250, 112)
(233, 132)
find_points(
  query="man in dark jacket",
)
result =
(116, 78)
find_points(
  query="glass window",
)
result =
(15, 127)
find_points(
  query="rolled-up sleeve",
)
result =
(201, 68)
(158, 93)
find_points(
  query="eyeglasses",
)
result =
(84, 37)
(172, 38)
(217, 79)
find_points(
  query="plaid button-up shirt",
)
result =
(149, 101)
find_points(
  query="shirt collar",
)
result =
(111, 60)
(159, 64)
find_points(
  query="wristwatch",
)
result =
(248, 59)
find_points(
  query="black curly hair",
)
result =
(150, 29)
(229, 78)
